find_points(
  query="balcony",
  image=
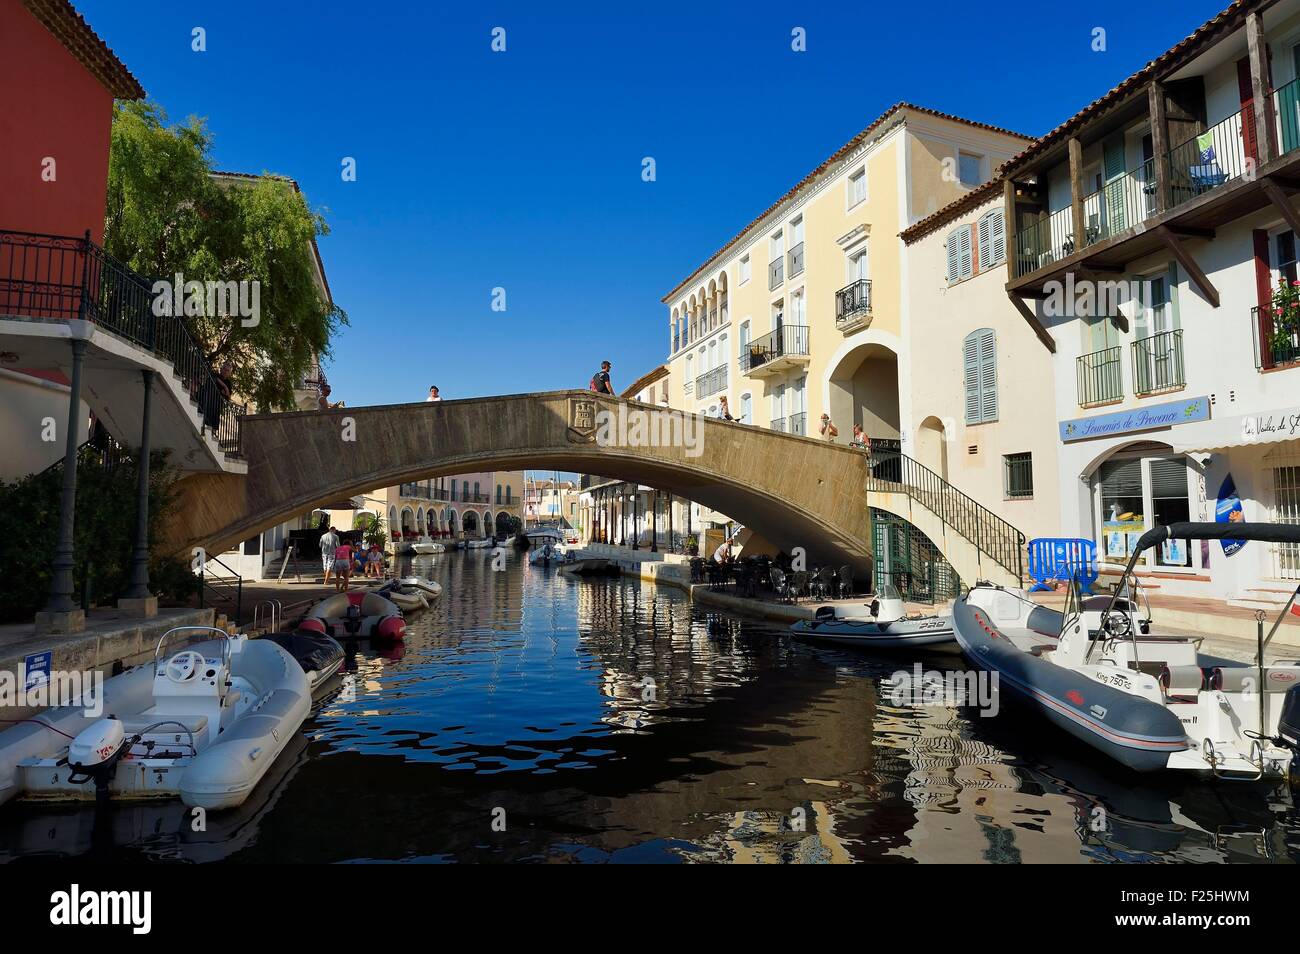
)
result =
(778, 424)
(1277, 338)
(711, 382)
(853, 306)
(783, 349)
(775, 274)
(713, 320)
(796, 260)
(1158, 363)
(799, 423)
(1201, 183)
(1100, 377)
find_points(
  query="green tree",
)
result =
(167, 214)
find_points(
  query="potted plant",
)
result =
(692, 545)
(1285, 312)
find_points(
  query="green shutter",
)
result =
(1174, 321)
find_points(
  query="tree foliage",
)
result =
(168, 215)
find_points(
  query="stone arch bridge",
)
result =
(793, 491)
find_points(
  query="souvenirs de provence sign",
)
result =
(1151, 417)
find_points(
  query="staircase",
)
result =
(66, 278)
(978, 543)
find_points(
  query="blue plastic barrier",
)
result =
(1062, 558)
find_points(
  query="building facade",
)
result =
(1153, 237)
(802, 313)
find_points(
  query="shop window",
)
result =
(1169, 504)
(1123, 520)
(1136, 494)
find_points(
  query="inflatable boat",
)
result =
(319, 655)
(1149, 701)
(427, 547)
(411, 594)
(356, 614)
(205, 722)
(546, 554)
(880, 624)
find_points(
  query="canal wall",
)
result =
(111, 642)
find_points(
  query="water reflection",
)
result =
(607, 720)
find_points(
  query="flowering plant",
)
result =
(1285, 343)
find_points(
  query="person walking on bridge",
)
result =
(600, 382)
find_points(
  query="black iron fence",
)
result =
(1158, 363)
(786, 340)
(853, 299)
(62, 278)
(711, 382)
(1100, 376)
(895, 472)
(1277, 337)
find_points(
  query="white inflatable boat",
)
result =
(204, 723)
(880, 624)
(412, 594)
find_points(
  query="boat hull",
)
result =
(1134, 731)
(927, 631)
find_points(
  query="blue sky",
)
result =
(522, 169)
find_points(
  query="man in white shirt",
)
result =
(329, 542)
(433, 393)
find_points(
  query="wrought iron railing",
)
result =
(1100, 377)
(1277, 338)
(799, 423)
(778, 424)
(853, 299)
(775, 273)
(1158, 363)
(1208, 159)
(894, 472)
(62, 278)
(783, 342)
(711, 382)
(1047, 240)
(796, 260)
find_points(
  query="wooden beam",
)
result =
(1260, 88)
(1188, 231)
(1159, 142)
(1009, 225)
(1076, 192)
(1282, 202)
(1286, 182)
(1194, 272)
(1031, 316)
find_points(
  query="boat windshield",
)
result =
(888, 592)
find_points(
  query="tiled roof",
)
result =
(835, 157)
(1226, 21)
(955, 209)
(71, 29)
(650, 377)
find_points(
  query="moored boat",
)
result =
(204, 723)
(319, 655)
(881, 624)
(356, 614)
(426, 547)
(1150, 701)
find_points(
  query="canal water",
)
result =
(534, 717)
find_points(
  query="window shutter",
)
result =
(1113, 160)
(1140, 329)
(971, 369)
(954, 258)
(1169, 478)
(985, 246)
(964, 239)
(988, 375)
(998, 238)
(1172, 294)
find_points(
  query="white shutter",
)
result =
(985, 250)
(963, 238)
(998, 239)
(954, 259)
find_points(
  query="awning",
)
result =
(1241, 430)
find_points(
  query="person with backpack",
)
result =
(600, 382)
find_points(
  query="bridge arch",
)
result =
(793, 491)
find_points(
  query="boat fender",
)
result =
(391, 627)
(1246, 678)
(1182, 678)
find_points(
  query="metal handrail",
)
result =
(227, 650)
(892, 471)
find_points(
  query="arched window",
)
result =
(476, 490)
(746, 409)
(980, 367)
(498, 493)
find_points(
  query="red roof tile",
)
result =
(71, 29)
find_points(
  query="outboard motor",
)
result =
(352, 620)
(1288, 723)
(93, 755)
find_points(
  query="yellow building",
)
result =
(802, 312)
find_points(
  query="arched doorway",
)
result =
(469, 523)
(863, 389)
(449, 522)
(487, 522)
(408, 521)
(932, 445)
(503, 522)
